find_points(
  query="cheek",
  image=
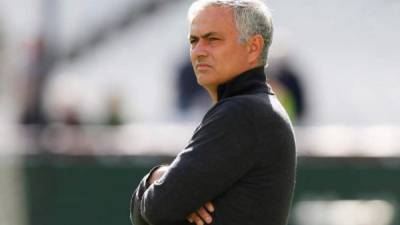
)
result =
(192, 60)
(238, 56)
(191, 56)
(232, 58)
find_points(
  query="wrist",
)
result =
(156, 173)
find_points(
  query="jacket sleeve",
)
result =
(135, 216)
(218, 155)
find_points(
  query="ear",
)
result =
(254, 48)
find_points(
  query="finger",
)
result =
(210, 207)
(204, 214)
(189, 218)
(195, 218)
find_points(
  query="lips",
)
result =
(202, 66)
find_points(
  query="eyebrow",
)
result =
(206, 35)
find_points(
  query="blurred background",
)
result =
(94, 93)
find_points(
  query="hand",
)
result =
(198, 217)
(202, 214)
(157, 174)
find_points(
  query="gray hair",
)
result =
(252, 17)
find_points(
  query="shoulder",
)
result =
(260, 109)
(234, 113)
(228, 115)
(252, 107)
(230, 108)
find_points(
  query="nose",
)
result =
(199, 49)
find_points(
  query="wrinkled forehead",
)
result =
(212, 15)
(195, 10)
(213, 18)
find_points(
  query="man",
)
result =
(239, 166)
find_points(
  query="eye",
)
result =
(213, 39)
(193, 40)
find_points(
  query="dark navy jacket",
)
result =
(242, 158)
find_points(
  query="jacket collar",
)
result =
(248, 82)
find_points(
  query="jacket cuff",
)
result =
(136, 217)
(147, 177)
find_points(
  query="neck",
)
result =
(212, 91)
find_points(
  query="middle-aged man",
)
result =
(239, 166)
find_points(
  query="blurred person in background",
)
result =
(285, 80)
(36, 73)
(239, 166)
(191, 98)
(114, 110)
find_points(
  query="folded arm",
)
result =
(219, 154)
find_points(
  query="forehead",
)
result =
(217, 19)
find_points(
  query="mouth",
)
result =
(201, 66)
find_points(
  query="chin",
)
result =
(202, 81)
(206, 78)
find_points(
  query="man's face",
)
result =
(216, 53)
